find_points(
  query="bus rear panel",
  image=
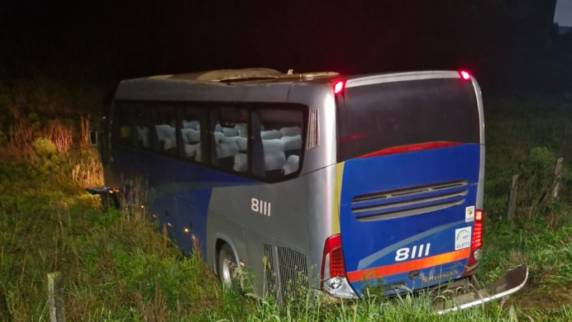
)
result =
(409, 163)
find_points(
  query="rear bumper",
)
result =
(471, 295)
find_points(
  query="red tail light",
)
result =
(465, 75)
(333, 273)
(477, 238)
(339, 86)
(333, 258)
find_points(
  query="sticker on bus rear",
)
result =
(470, 214)
(462, 238)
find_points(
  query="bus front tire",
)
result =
(226, 267)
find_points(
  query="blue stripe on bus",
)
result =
(369, 244)
(180, 191)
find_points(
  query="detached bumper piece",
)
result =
(457, 297)
(108, 196)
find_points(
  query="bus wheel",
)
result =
(226, 267)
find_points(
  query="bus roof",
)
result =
(233, 76)
(245, 84)
(223, 85)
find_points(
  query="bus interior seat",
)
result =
(240, 162)
(195, 125)
(292, 164)
(292, 144)
(272, 145)
(242, 143)
(192, 151)
(291, 131)
(237, 146)
(190, 135)
(274, 157)
(166, 135)
(229, 131)
(242, 129)
(226, 148)
(218, 136)
(270, 134)
(281, 149)
(274, 161)
(143, 136)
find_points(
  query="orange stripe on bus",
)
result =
(408, 266)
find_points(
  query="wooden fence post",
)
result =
(551, 193)
(56, 297)
(512, 198)
(556, 185)
(165, 236)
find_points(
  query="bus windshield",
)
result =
(380, 116)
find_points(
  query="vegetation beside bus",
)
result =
(118, 266)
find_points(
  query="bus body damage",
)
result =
(464, 294)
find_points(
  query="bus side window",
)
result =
(191, 134)
(281, 133)
(229, 138)
(122, 125)
(165, 130)
(141, 127)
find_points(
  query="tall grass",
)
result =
(113, 263)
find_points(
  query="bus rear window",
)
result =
(376, 117)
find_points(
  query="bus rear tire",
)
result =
(227, 267)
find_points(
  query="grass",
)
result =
(525, 136)
(119, 267)
(115, 265)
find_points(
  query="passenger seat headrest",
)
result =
(292, 142)
(273, 145)
(291, 131)
(195, 125)
(270, 134)
(190, 135)
(229, 131)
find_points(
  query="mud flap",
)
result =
(510, 283)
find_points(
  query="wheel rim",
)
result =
(226, 270)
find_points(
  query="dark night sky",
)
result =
(112, 41)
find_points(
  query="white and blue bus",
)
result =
(346, 181)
